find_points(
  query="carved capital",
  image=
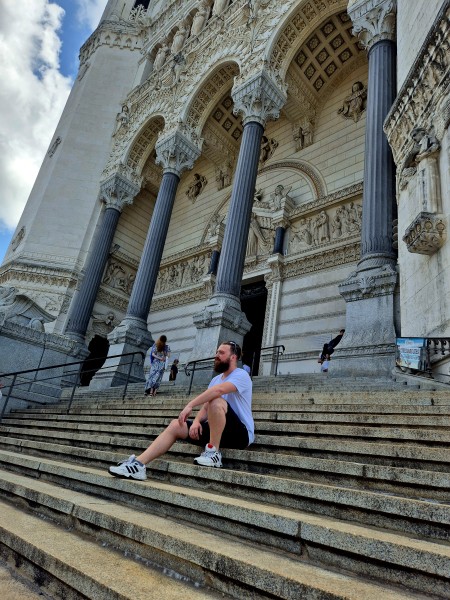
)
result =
(426, 234)
(258, 100)
(118, 192)
(176, 153)
(373, 20)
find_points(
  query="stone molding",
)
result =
(426, 234)
(176, 153)
(118, 192)
(259, 99)
(421, 102)
(373, 20)
(51, 341)
(114, 34)
(372, 283)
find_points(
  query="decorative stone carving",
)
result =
(200, 17)
(219, 7)
(320, 228)
(17, 239)
(122, 119)
(376, 282)
(119, 277)
(279, 197)
(102, 324)
(196, 187)
(268, 147)
(184, 272)
(355, 104)
(426, 234)
(82, 70)
(259, 99)
(373, 20)
(223, 175)
(54, 146)
(303, 134)
(117, 192)
(161, 56)
(179, 37)
(214, 226)
(19, 308)
(176, 153)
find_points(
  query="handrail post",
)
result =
(7, 398)
(192, 378)
(77, 381)
(276, 360)
(128, 377)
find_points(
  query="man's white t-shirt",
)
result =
(240, 400)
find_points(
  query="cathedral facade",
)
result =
(261, 171)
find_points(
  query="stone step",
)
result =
(69, 563)
(352, 545)
(423, 516)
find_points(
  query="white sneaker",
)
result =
(130, 468)
(211, 457)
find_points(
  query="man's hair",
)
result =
(235, 348)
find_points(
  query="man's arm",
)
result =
(215, 391)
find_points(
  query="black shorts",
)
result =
(235, 434)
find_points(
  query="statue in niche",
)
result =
(214, 225)
(279, 196)
(422, 164)
(355, 104)
(196, 187)
(18, 238)
(161, 56)
(223, 175)
(321, 230)
(303, 135)
(123, 118)
(200, 17)
(425, 143)
(257, 242)
(268, 147)
(179, 37)
(219, 7)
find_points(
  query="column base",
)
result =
(130, 336)
(368, 346)
(221, 320)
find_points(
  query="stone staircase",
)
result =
(345, 494)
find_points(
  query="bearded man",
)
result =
(224, 420)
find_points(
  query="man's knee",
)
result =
(179, 431)
(218, 405)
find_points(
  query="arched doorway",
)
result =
(98, 349)
(253, 304)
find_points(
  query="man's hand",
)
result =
(195, 430)
(184, 414)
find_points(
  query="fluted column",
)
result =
(116, 193)
(368, 346)
(175, 153)
(257, 100)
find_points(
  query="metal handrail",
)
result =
(79, 363)
(278, 354)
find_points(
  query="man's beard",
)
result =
(221, 367)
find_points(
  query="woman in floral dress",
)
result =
(158, 354)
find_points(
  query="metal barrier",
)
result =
(77, 372)
(277, 351)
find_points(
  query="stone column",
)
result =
(175, 153)
(258, 100)
(116, 193)
(279, 240)
(368, 347)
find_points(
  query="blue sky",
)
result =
(39, 45)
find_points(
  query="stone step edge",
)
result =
(195, 542)
(84, 565)
(392, 505)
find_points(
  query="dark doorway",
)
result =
(253, 304)
(98, 348)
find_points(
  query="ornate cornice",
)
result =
(373, 20)
(259, 99)
(345, 194)
(176, 153)
(125, 35)
(423, 99)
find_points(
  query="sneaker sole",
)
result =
(127, 476)
(202, 465)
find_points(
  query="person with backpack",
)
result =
(159, 352)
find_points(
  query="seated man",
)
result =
(224, 420)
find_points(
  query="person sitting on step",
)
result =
(224, 420)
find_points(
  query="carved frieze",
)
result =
(182, 273)
(426, 234)
(119, 276)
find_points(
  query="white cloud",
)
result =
(90, 11)
(32, 96)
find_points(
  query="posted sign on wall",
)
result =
(411, 353)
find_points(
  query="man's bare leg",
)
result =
(217, 418)
(164, 442)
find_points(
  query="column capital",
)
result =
(259, 99)
(118, 191)
(373, 20)
(176, 153)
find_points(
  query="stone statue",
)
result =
(279, 196)
(18, 238)
(200, 17)
(20, 309)
(37, 324)
(425, 143)
(123, 118)
(214, 225)
(223, 175)
(336, 225)
(196, 187)
(355, 104)
(268, 147)
(321, 230)
(179, 38)
(161, 56)
(219, 7)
